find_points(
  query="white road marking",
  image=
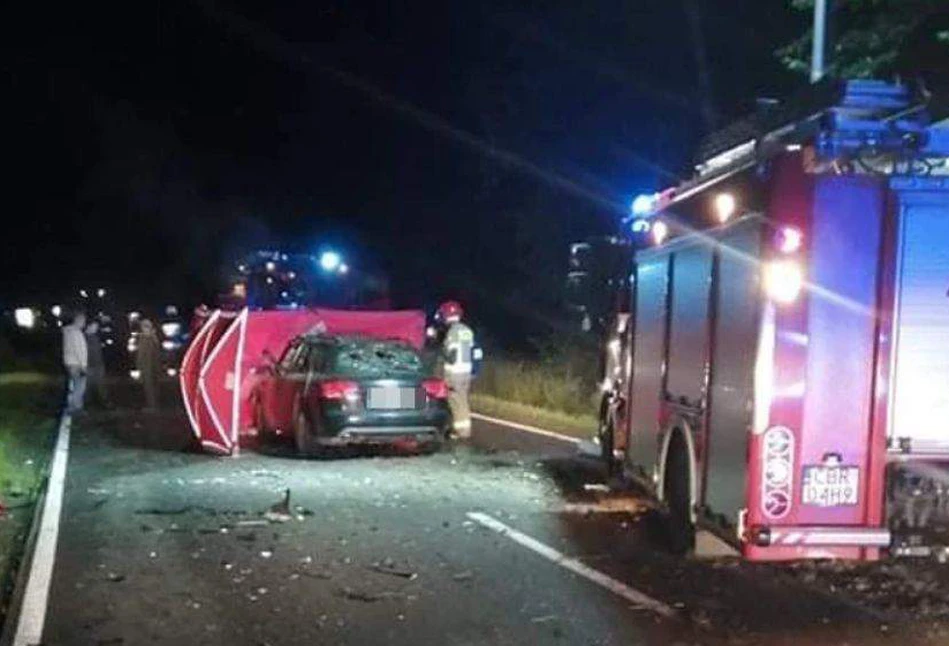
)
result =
(29, 631)
(526, 428)
(632, 595)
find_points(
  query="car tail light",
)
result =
(339, 389)
(435, 388)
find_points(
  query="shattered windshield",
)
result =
(375, 359)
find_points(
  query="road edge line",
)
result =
(618, 588)
(32, 615)
(526, 428)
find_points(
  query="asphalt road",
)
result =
(163, 546)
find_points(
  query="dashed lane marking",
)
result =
(632, 595)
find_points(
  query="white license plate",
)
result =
(391, 398)
(830, 486)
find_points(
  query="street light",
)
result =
(330, 261)
(25, 318)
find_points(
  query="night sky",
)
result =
(458, 146)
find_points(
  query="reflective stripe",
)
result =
(458, 368)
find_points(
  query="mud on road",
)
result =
(162, 545)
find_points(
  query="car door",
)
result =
(315, 361)
(287, 379)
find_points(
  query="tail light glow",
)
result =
(435, 388)
(783, 280)
(339, 389)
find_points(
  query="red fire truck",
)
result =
(778, 368)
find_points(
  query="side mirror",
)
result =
(598, 279)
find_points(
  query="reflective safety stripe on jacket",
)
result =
(459, 343)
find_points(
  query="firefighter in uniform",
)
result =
(457, 362)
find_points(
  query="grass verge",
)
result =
(29, 403)
(580, 426)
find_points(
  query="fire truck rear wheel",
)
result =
(680, 531)
(606, 446)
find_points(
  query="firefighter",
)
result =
(457, 350)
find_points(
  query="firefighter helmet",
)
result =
(450, 311)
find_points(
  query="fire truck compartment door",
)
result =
(920, 373)
(648, 357)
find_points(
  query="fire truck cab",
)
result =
(778, 369)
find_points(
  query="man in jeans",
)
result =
(76, 362)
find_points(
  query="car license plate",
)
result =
(391, 398)
(835, 486)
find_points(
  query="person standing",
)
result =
(75, 362)
(96, 370)
(148, 362)
(457, 365)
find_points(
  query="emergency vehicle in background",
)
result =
(276, 280)
(777, 365)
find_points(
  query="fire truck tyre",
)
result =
(301, 434)
(606, 446)
(680, 532)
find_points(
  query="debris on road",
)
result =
(596, 486)
(252, 523)
(266, 554)
(116, 578)
(280, 512)
(387, 566)
(303, 511)
(366, 596)
(467, 575)
(176, 511)
(317, 575)
(543, 619)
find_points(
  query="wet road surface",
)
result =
(163, 546)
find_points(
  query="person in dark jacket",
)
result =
(95, 373)
(148, 362)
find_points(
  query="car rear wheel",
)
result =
(301, 434)
(262, 430)
(442, 442)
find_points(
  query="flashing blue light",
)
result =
(643, 205)
(640, 225)
(330, 260)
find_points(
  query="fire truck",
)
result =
(777, 366)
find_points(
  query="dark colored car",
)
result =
(332, 390)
